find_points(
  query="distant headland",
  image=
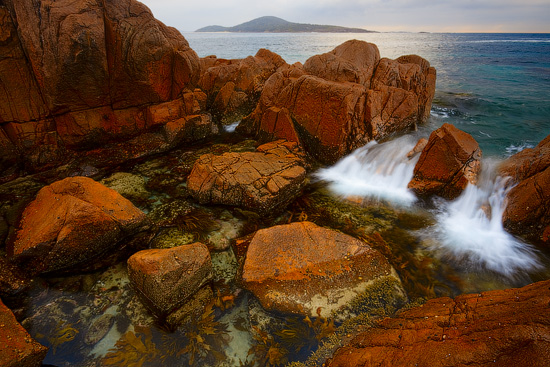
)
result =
(270, 24)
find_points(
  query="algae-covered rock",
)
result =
(131, 186)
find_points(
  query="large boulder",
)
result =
(70, 224)
(448, 163)
(527, 211)
(304, 269)
(234, 86)
(345, 98)
(88, 73)
(498, 328)
(264, 181)
(17, 348)
(167, 278)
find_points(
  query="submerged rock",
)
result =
(167, 278)
(448, 163)
(498, 328)
(17, 348)
(71, 223)
(263, 181)
(527, 210)
(302, 268)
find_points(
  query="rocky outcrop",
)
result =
(264, 181)
(498, 328)
(302, 268)
(89, 73)
(527, 210)
(17, 348)
(71, 223)
(447, 164)
(234, 86)
(167, 278)
(342, 99)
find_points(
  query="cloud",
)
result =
(407, 15)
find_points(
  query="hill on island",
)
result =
(271, 24)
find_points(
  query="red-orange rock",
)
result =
(352, 61)
(71, 223)
(450, 161)
(277, 124)
(301, 267)
(17, 348)
(264, 181)
(527, 210)
(498, 328)
(169, 277)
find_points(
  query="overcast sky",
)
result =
(380, 15)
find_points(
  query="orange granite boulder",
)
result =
(264, 181)
(309, 270)
(527, 210)
(448, 163)
(498, 328)
(17, 348)
(167, 278)
(70, 224)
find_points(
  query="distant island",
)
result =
(271, 24)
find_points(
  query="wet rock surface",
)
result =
(448, 163)
(303, 268)
(166, 278)
(17, 348)
(527, 211)
(263, 181)
(497, 328)
(72, 223)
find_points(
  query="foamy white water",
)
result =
(469, 230)
(375, 170)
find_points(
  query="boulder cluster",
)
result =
(102, 83)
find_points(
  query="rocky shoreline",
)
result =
(114, 151)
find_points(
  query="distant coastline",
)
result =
(270, 24)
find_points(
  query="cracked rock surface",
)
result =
(263, 181)
(450, 160)
(498, 328)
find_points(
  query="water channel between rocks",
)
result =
(439, 248)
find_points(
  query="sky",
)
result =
(514, 16)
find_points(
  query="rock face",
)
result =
(498, 328)
(234, 86)
(527, 211)
(263, 181)
(169, 277)
(449, 161)
(342, 99)
(71, 223)
(300, 267)
(89, 73)
(17, 348)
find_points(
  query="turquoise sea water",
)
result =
(493, 86)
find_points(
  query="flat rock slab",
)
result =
(263, 181)
(17, 348)
(169, 277)
(301, 267)
(498, 328)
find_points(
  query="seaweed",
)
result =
(62, 333)
(133, 349)
(266, 351)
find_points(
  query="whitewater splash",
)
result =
(382, 171)
(469, 230)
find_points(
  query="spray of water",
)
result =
(376, 170)
(469, 230)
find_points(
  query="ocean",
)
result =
(494, 86)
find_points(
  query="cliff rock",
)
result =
(71, 223)
(527, 210)
(449, 161)
(301, 268)
(263, 181)
(498, 328)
